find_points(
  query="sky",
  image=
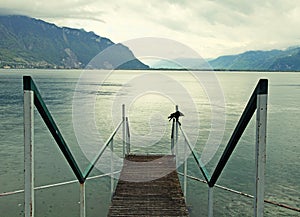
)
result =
(211, 27)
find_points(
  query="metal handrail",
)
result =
(54, 130)
(243, 194)
(198, 160)
(3, 194)
(92, 165)
(51, 125)
(257, 101)
(32, 98)
(261, 88)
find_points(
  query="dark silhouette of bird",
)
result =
(175, 116)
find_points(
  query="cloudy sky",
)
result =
(211, 27)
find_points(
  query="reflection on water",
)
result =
(150, 132)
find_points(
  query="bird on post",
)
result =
(176, 116)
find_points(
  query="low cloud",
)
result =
(212, 27)
(64, 9)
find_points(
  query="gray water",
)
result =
(150, 131)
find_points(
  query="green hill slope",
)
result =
(274, 60)
(30, 43)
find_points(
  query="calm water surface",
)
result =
(150, 131)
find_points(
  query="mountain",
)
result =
(31, 43)
(274, 60)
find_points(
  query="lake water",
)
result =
(151, 97)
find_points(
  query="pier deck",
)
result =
(148, 186)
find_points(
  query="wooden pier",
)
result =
(148, 186)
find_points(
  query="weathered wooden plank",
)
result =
(148, 186)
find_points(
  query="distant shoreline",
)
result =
(156, 69)
(221, 70)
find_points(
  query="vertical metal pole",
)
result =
(260, 154)
(127, 137)
(82, 199)
(112, 166)
(172, 137)
(185, 172)
(210, 202)
(123, 129)
(29, 153)
(176, 139)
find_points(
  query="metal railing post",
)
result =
(185, 173)
(261, 88)
(127, 136)
(123, 129)
(176, 138)
(28, 153)
(82, 199)
(176, 132)
(172, 137)
(210, 202)
(33, 98)
(260, 153)
(112, 166)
